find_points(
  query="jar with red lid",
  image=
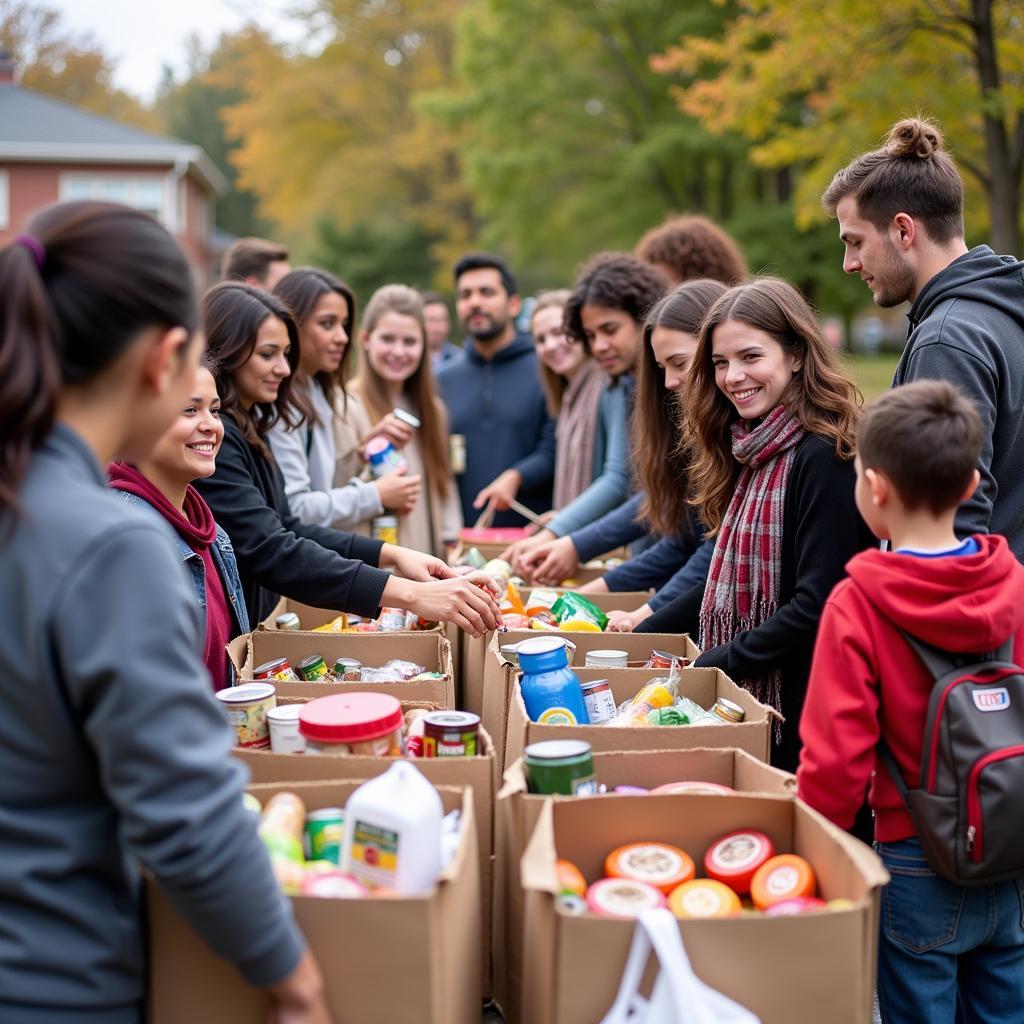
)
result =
(353, 723)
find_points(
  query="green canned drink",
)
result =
(312, 669)
(323, 834)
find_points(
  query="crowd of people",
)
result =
(665, 400)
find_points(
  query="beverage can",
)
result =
(323, 834)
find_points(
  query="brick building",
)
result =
(52, 151)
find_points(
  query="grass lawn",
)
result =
(873, 374)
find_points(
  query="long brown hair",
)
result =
(654, 420)
(232, 315)
(79, 288)
(300, 290)
(419, 388)
(554, 383)
(821, 396)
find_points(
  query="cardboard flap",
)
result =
(515, 780)
(537, 868)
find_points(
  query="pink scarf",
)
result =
(576, 432)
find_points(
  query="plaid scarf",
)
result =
(744, 577)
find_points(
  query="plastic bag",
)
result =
(678, 996)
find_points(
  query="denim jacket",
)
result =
(223, 557)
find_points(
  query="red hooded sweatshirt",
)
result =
(866, 682)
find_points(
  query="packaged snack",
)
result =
(541, 601)
(735, 858)
(782, 878)
(511, 603)
(337, 625)
(796, 905)
(570, 878)
(696, 714)
(659, 693)
(577, 608)
(623, 897)
(657, 864)
(703, 897)
(667, 716)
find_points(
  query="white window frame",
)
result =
(92, 185)
(5, 200)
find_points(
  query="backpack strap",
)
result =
(939, 662)
(894, 772)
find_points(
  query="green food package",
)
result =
(576, 606)
(474, 558)
(667, 716)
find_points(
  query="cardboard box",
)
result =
(816, 967)
(703, 685)
(516, 813)
(482, 673)
(429, 649)
(478, 774)
(474, 650)
(310, 617)
(405, 960)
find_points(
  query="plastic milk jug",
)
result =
(393, 831)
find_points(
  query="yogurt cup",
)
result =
(285, 737)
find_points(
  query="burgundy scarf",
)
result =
(745, 573)
(197, 527)
(576, 433)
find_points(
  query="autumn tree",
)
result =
(70, 67)
(812, 84)
(335, 132)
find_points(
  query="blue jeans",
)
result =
(939, 942)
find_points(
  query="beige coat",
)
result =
(430, 523)
(351, 425)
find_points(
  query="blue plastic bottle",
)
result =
(551, 691)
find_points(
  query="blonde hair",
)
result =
(554, 383)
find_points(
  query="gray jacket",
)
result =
(967, 327)
(113, 753)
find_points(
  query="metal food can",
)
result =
(663, 659)
(457, 452)
(247, 706)
(392, 620)
(312, 669)
(385, 529)
(606, 659)
(323, 834)
(348, 670)
(279, 668)
(406, 417)
(289, 620)
(560, 767)
(727, 710)
(600, 701)
(451, 734)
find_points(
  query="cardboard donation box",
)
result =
(478, 774)
(310, 617)
(429, 649)
(817, 966)
(517, 812)
(474, 649)
(703, 685)
(403, 959)
(499, 677)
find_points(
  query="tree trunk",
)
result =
(1004, 167)
(726, 188)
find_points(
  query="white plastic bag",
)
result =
(678, 996)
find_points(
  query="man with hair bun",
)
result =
(900, 213)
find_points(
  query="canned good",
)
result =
(606, 659)
(247, 706)
(312, 669)
(289, 620)
(383, 456)
(406, 417)
(385, 529)
(279, 668)
(510, 654)
(664, 659)
(392, 620)
(457, 452)
(348, 670)
(323, 834)
(451, 734)
(728, 710)
(560, 766)
(285, 737)
(600, 701)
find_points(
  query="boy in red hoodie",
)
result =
(918, 446)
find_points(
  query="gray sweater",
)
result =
(113, 754)
(967, 327)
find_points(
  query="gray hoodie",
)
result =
(967, 327)
(113, 754)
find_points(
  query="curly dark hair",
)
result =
(689, 247)
(618, 281)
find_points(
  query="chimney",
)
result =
(6, 68)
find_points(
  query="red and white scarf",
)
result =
(745, 574)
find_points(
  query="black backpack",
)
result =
(969, 808)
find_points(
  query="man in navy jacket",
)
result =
(495, 399)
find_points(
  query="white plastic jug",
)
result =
(393, 831)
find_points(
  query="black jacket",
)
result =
(821, 531)
(277, 554)
(967, 327)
